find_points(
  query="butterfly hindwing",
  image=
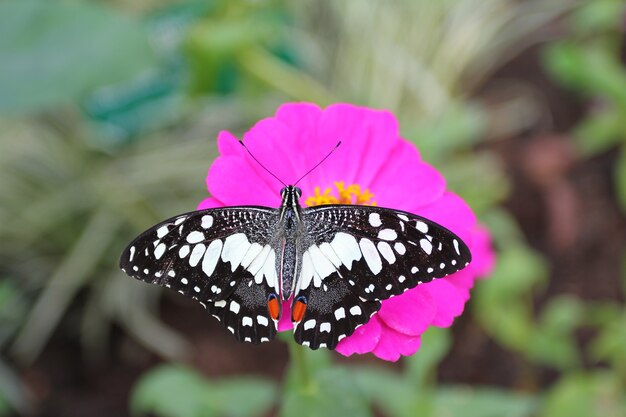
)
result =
(222, 258)
(358, 255)
(332, 313)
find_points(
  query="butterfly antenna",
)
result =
(262, 166)
(319, 163)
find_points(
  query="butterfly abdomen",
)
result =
(288, 267)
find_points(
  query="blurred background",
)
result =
(108, 116)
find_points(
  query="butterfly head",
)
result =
(290, 195)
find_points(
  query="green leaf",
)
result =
(509, 290)
(589, 68)
(391, 392)
(598, 15)
(470, 402)
(600, 131)
(610, 344)
(242, 397)
(171, 391)
(434, 346)
(553, 342)
(459, 128)
(333, 392)
(54, 52)
(177, 391)
(584, 395)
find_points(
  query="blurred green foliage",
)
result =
(108, 126)
(588, 62)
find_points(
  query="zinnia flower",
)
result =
(373, 166)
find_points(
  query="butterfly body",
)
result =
(336, 263)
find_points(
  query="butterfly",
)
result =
(336, 263)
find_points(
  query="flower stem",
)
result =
(300, 364)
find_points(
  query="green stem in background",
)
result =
(284, 77)
(300, 364)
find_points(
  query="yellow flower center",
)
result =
(352, 194)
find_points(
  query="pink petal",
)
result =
(302, 119)
(228, 145)
(209, 203)
(393, 344)
(272, 143)
(405, 182)
(410, 313)
(235, 183)
(451, 212)
(483, 256)
(450, 302)
(363, 340)
(463, 280)
(367, 138)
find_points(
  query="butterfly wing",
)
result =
(223, 258)
(356, 256)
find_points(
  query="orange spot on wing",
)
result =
(298, 310)
(274, 308)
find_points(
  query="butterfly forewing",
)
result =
(223, 258)
(360, 255)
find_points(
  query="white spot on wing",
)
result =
(183, 251)
(309, 324)
(259, 260)
(159, 251)
(306, 271)
(207, 221)
(162, 231)
(234, 306)
(246, 321)
(400, 248)
(322, 265)
(374, 219)
(385, 250)
(387, 234)
(269, 270)
(253, 252)
(220, 304)
(132, 254)
(262, 320)
(371, 256)
(325, 327)
(235, 248)
(340, 313)
(421, 226)
(195, 237)
(456, 246)
(196, 254)
(330, 254)
(211, 257)
(346, 248)
(355, 311)
(426, 246)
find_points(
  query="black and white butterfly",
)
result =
(334, 262)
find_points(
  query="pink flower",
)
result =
(374, 165)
